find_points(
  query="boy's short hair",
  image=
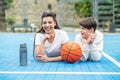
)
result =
(88, 23)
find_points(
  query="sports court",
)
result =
(108, 68)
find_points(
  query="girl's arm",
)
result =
(40, 49)
(44, 58)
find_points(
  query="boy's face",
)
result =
(85, 32)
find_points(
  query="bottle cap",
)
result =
(23, 45)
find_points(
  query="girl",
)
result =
(49, 39)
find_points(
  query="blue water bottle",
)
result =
(23, 54)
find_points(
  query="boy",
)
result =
(90, 40)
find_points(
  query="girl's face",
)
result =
(48, 24)
(85, 32)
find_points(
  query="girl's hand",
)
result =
(43, 58)
(47, 36)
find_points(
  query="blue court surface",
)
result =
(108, 68)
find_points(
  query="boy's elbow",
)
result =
(83, 59)
(97, 58)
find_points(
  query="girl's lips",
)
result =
(48, 30)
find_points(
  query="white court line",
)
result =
(90, 73)
(112, 59)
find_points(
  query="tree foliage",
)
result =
(11, 20)
(83, 9)
(9, 4)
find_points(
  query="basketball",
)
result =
(71, 52)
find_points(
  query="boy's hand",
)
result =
(91, 38)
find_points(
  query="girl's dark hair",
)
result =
(88, 23)
(48, 14)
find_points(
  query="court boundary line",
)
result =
(82, 73)
(112, 59)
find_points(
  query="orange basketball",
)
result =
(71, 52)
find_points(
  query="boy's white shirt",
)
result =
(53, 49)
(91, 51)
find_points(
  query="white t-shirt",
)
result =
(91, 51)
(53, 49)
